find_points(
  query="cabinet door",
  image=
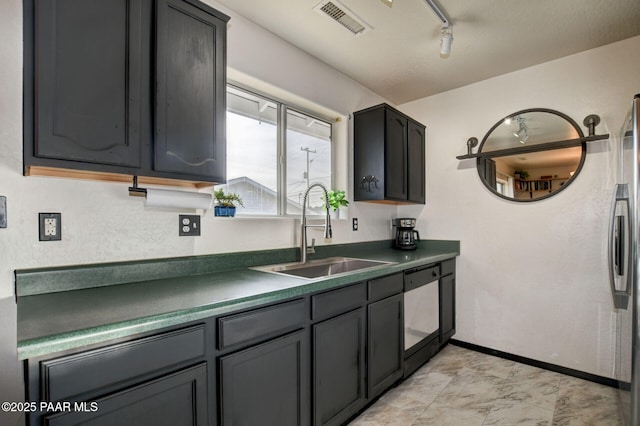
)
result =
(416, 162)
(386, 345)
(190, 91)
(395, 174)
(267, 384)
(339, 369)
(447, 307)
(89, 80)
(368, 154)
(179, 399)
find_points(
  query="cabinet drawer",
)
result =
(385, 287)
(335, 302)
(72, 375)
(261, 324)
(448, 267)
(418, 277)
(169, 400)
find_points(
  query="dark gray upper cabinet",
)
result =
(133, 87)
(395, 156)
(89, 85)
(416, 162)
(190, 91)
(389, 156)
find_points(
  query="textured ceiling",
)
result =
(399, 58)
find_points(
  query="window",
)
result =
(259, 132)
(504, 184)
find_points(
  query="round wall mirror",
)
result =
(531, 155)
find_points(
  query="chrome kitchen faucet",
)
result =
(304, 249)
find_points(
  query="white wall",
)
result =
(532, 277)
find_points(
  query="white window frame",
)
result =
(282, 108)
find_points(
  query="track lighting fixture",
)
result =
(523, 131)
(445, 41)
(447, 29)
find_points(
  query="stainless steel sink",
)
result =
(330, 266)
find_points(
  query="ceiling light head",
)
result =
(388, 2)
(523, 131)
(446, 40)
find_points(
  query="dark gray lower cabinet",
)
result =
(267, 384)
(179, 399)
(385, 344)
(447, 307)
(339, 349)
(339, 367)
(161, 379)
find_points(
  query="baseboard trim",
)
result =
(545, 365)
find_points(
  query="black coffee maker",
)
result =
(406, 236)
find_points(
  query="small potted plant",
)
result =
(337, 199)
(226, 203)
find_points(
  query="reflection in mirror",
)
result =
(523, 157)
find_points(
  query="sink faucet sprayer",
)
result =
(304, 250)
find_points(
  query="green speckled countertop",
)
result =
(120, 302)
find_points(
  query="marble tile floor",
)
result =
(461, 387)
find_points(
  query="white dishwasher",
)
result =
(421, 316)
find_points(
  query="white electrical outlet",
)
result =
(189, 225)
(50, 226)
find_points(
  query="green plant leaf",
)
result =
(337, 199)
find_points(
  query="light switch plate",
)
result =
(3, 211)
(50, 226)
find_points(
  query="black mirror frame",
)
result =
(583, 155)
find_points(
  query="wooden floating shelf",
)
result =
(525, 149)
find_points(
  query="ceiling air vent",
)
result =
(342, 15)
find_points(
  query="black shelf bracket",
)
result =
(535, 148)
(590, 121)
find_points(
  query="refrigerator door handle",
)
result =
(619, 264)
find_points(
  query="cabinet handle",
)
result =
(367, 181)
